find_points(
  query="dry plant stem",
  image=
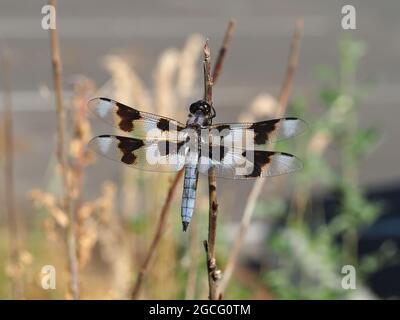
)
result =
(61, 157)
(222, 52)
(293, 63)
(257, 187)
(157, 236)
(9, 196)
(82, 91)
(83, 88)
(214, 275)
(212, 181)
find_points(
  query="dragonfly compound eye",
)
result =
(200, 105)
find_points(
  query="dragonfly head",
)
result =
(201, 109)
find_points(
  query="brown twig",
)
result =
(157, 236)
(214, 275)
(222, 52)
(257, 187)
(293, 63)
(61, 157)
(79, 158)
(12, 213)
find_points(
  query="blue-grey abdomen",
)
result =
(189, 194)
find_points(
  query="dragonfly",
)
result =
(161, 144)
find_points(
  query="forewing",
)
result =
(257, 134)
(140, 124)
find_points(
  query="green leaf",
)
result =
(328, 96)
(363, 141)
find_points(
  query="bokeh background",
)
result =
(339, 210)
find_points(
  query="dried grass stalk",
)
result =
(9, 195)
(128, 87)
(61, 157)
(163, 82)
(188, 68)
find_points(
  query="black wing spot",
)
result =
(216, 153)
(127, 146)
(223, 128)
(128, 116)
(260, 160)
(263, 129)
(167, 147)
(163, 124)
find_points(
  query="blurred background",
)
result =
(339, 210)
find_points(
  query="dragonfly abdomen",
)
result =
(189, 194)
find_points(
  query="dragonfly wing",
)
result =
(245, 164)
(138, 123)
(149, 155)
(256, 134)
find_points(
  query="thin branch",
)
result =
(61, 157)
(157, 236)
(257, 187)
(208, 80)
(214, 275)
(212, 181)
(293, 63)
(222, 52)
(9, 196)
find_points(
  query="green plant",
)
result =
(308, 247)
